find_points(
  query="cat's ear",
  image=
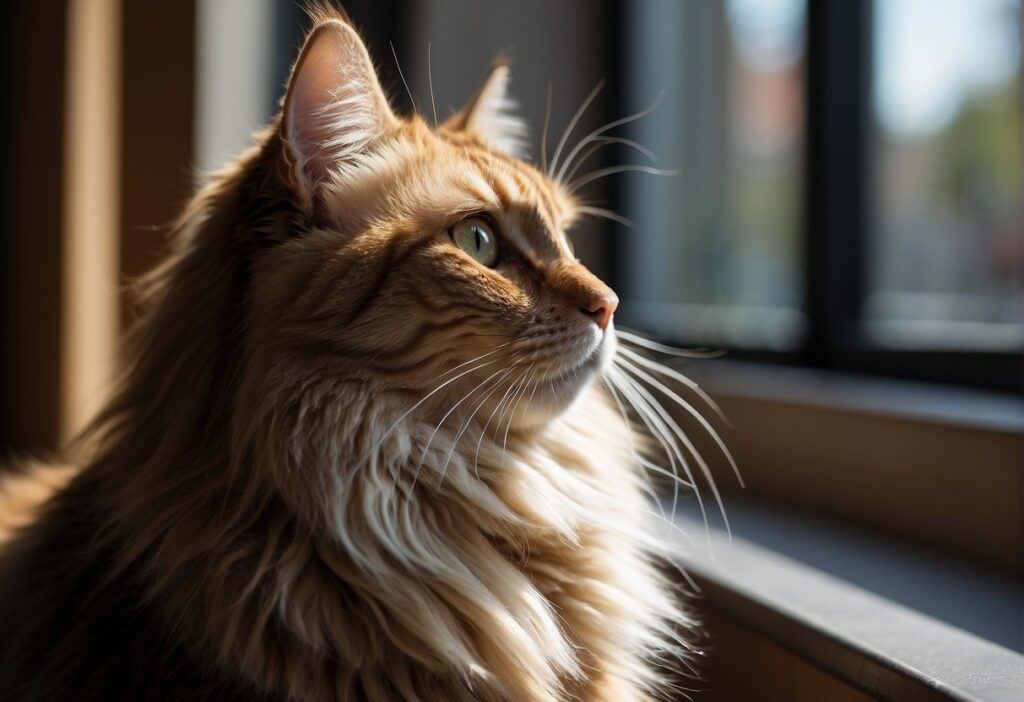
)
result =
(334, 105)
(490, 115)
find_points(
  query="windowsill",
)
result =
(936, 467)
(875, 644)
(903, 399)
(981, 601)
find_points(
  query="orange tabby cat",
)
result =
(358, 452)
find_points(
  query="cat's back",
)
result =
(69, 630)
(24, 489)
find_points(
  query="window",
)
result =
(244, 53)
(849, 189)
(946, 248)
(717, 249)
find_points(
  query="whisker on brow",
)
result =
(430, 82)
(606, 128)
(572, 124)
(544, 134)
(604, 213)
(601, 142)
(613, 170)
(402, 76)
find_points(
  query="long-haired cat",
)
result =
(360, 450)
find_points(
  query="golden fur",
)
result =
(23, 494)
(346, 461)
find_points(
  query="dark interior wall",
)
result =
(6, 75)
(158, 111)
(33, 150)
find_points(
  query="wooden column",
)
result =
(91, 199)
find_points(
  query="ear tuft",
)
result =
(490, 115)
(323, 11)
(334, 106)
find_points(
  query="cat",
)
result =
(367, 444)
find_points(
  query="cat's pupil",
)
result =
(479, 238)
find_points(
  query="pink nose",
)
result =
(601, 308)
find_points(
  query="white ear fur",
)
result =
(490, 114)
(334, 105)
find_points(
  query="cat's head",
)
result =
(435, 260)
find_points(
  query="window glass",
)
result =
(714, 253)
(244, 52)
(945, 257)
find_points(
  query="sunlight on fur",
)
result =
(353, 457)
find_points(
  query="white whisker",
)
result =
(678, 377)
(608, 127)
(601, 142)
(660, 431)
(685, 440)
(642, 462)
(650, 422)
(632, 337)
(572, 123)
(455, 406)
(544, 134)
(515, 407)
(604, 213)
(426, 397)
(493, 351)
(687, 407)
(507, 409)
(430, 82)
(612, 170)
(465, 426)
(402, 76)
(533, 392)
(483, 431)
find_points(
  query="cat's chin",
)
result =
(558, 394)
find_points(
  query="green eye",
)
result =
(475, 236)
